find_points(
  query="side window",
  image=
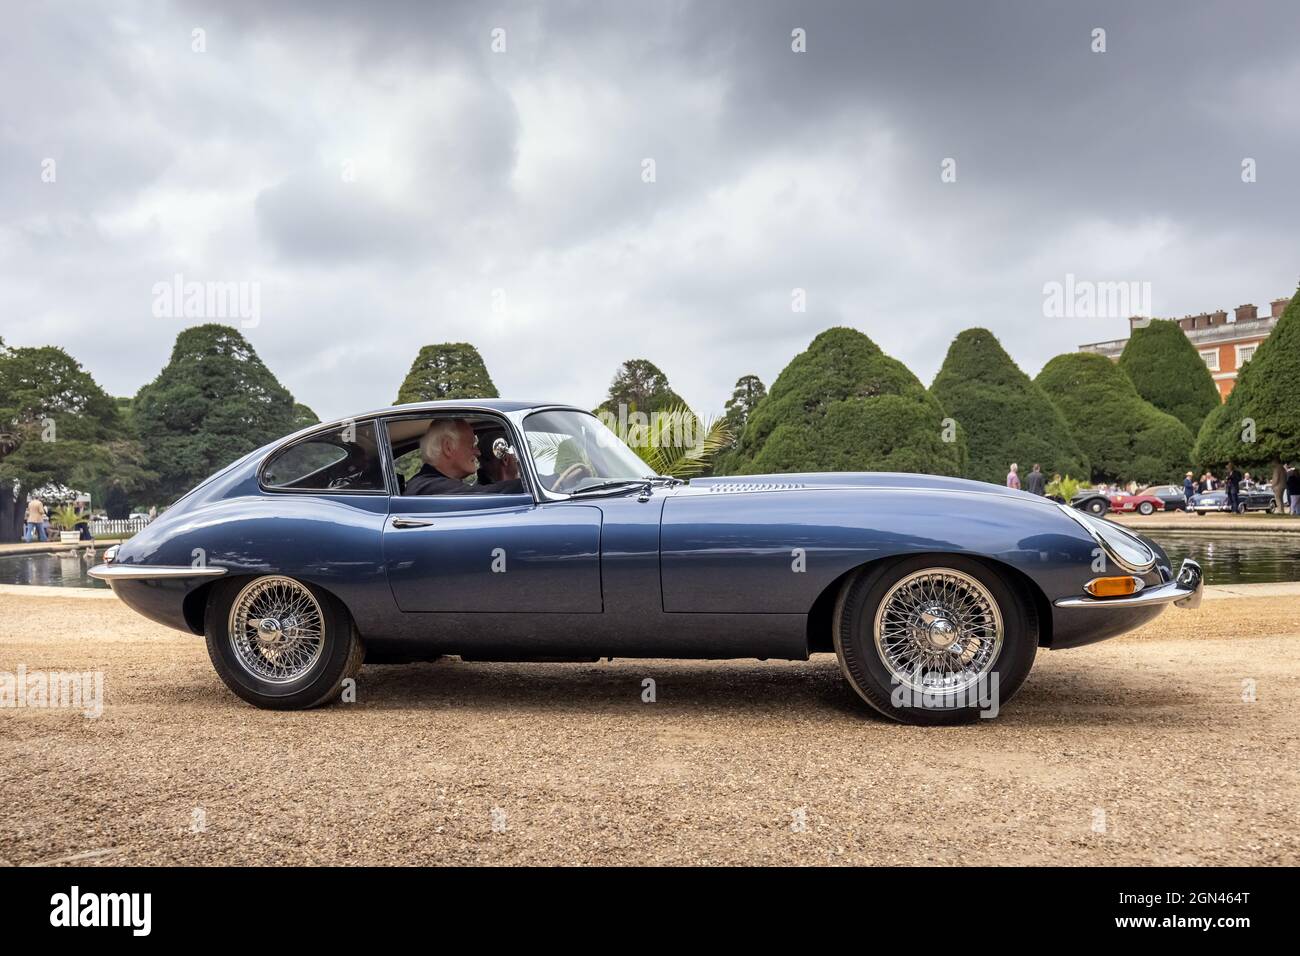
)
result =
(344, 459)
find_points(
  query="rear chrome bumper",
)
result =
(140, 572)
(1184, 590)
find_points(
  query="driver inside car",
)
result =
(450, 452)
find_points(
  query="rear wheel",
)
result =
(934, 639)
(1097, 506)
(280, 643)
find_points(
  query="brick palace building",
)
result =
(1225, 344)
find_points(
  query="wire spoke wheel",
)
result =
(276, 629)
(938, 630)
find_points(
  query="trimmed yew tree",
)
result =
(1003, 414)
(212, 403)
(1124, 436)
(844, 405)
(447, 370)
(1259, 424)
(1168, 372)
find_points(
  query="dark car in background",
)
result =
(1093, 502)
(1248, 499)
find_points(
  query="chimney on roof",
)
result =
(1279, 306)
(1245, 313)
(1218, 318)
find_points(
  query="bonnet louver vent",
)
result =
(734, 486)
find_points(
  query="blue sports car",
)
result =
(499, 530)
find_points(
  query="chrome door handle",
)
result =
(411, 523)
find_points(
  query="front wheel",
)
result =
(1146, 508)
(934, 639)
(280, 643)
(1097, 507)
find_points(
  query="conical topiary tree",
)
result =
(1124, 436)
(843, 405)
(213, 401)
(1004, 415)
(1259, 424)
(448, 370)
(1168, 372)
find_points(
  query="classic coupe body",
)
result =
(1171, 496)
(1140, 503)
(1259, 498)
(935, 593)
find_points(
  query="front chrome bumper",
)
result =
(1184, 590)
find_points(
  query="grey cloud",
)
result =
(521, 172)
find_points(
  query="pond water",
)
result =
(65, 569)
(1224, 557)
(1234, 559)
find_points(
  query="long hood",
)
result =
(876, 480)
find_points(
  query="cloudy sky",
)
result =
(386, 179)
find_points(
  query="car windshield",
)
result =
(573, 450)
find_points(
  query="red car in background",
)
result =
(1141, 502)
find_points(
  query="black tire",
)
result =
(1098, 507)
(861, 662)
(1272, 507)
(339, 658)
(1146, 508)
(1241, 508)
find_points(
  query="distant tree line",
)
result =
(840, 405)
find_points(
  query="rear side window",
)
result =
(342, 460)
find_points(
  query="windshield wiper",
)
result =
(611, 485)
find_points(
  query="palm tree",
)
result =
(678, 442)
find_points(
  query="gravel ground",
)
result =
(1138, 750)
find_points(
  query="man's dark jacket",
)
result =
(1035, 484)
(430, 481)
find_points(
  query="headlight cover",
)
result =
(1125, 549)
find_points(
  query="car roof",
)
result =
(486, 404)
(502, 406)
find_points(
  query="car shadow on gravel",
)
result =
(1086, 695)
(739, 689)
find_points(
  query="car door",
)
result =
(466, 553)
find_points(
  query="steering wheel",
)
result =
(345, 481)
(571, 476)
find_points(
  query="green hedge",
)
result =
(1006, 417)
(843, 405)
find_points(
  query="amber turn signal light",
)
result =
(1121, 586)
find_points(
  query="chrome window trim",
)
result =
(546, 493)
(511, 426)
(298, 440)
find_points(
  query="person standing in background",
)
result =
(1035, 484)
(1293, 489)
(35, 523)
(1013, 478)
(1189, 489)
(1232, 479)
